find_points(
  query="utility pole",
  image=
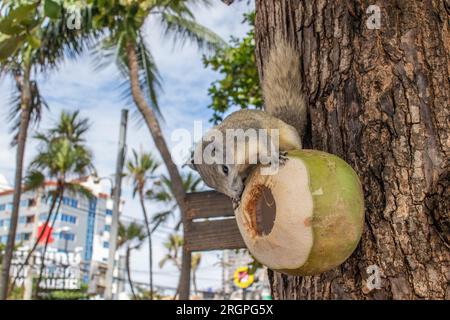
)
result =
(116, 205)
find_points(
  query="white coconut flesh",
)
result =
(275, 216)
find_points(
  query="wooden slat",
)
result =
(208, 204)
(213, 235)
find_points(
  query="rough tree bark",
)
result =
(380, 100)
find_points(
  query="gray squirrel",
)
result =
(284, 100)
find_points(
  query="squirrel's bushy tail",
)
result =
(282, 86)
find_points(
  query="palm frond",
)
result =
(34, 180)
(160, 218)
(77, 188)
(183, 29)
(151, 79)
(37, 104)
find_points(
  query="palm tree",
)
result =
(63, 156)
(30, 41)
(173, 246)
(125, 44)
(131, 237)
(141, 168)
(162, 191)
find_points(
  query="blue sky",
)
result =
(76, 85)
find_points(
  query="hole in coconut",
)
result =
(262, 210)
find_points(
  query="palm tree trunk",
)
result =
(177, 184)
(47, 238)
(150, 245)
(20, 153)
(127, 261)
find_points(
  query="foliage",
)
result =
(143, 294)
(131, 235)
(81, 294)
(141, 168)
(173, 246)
(239, 85)
(162, 192)
(124, 21)
(62, 153)
(32, 37)
(16, 294)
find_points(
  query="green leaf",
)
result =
(9, 46)
(22, 12)
(8, 27)
(34, 42)
(52, 9)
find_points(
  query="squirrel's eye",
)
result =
(225, 170)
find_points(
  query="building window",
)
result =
(25, 203)
(30, 219)
(109, 212)
(9, 207)
(43, 216)
(106, 245)
(3, 239)
(68, 218)
(67, 236)
(107, 227)
(70, 202)
(1, 223)
(2, 207)
(26, 236)
(74, 203)
(22, 219)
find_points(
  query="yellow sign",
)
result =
(242, 278)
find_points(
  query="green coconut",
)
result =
(305, 219)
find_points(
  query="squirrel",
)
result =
(284, 102)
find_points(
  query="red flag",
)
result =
(46, 231)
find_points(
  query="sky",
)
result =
(77, 85)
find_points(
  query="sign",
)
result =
(62, 271)
(242, 278)
(45, 231)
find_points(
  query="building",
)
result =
(82, 225)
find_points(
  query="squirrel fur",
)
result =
(284, 102)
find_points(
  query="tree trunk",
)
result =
(130, 282)
(59, 198)
(150, 245)
(177, 184)
(378, 98)
(25, 114)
